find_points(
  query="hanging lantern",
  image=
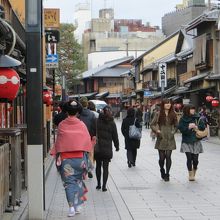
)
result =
(209, 98)
(215, 103)
(47, 97)
(9, 84)
(178, 106)
(58, 90)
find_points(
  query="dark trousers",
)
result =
(99, 165)
(192, 161)
(131, 156)
(165, 157)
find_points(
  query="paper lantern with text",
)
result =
(9, 84)
(215, 103)
(209, 98)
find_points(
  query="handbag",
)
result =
(201, 134)
(134, 132)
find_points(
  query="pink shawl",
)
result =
(72, 135)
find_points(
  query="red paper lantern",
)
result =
(47, 97)
(178, 106)
(9, 84)
(215, 103)
(209, 98)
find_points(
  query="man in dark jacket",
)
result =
(89, 119)
(87, 116)
(61, 115)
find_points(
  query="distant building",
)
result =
(82, 18)
(107, 34)
(185, 13)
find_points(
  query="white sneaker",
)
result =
(71, 212)
(79, 209)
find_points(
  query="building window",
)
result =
(92, 45)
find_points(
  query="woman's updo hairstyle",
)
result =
(73, 107)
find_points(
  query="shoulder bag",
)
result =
(199, 133)
(134, 131)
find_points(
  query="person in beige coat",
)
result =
(164, 124)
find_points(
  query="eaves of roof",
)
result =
(109, 64)
(210, 16)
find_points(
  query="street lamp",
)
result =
(33, 11)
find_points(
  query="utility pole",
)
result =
(33, 9)
(126, 43)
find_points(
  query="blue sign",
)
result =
(52, 58)
(147, 93)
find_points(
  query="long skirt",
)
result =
(73, 172)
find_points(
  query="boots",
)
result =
(191, 176)
(162, 172)
(194, 172)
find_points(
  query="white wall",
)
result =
(82, 17)
(99, 58)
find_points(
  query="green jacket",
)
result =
(189, 135)
(165, 140)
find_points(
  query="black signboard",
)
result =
(52, 36)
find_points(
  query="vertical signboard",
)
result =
(51, 18)
(162, 75)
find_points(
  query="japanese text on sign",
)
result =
(51, 18)
(163, 74)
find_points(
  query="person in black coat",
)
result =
(131, 145)
(106, 132)
(61, 115)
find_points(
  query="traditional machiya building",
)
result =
(107, 82)
(13, 175)
(12, 44)
(205, 80)
(19, 9)
(146, 74)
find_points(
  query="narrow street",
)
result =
(139, 193)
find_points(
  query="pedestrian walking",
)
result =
(91, 107)
(72, 144)
(106, 133)
(61, 115)
(88, 117)
(191, 145)
(138, 113)
(154, 112)
(203, 113)
(147, 118)
(164, 124)
(131, 145)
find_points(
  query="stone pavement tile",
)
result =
(139, 193)
(165, 218)
(194, 217)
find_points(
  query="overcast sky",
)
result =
(147, 10)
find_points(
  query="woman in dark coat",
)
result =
(131, 145)
(191, 145)
(106, 133)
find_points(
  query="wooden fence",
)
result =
(4, 178)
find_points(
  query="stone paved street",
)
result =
(139, 193)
